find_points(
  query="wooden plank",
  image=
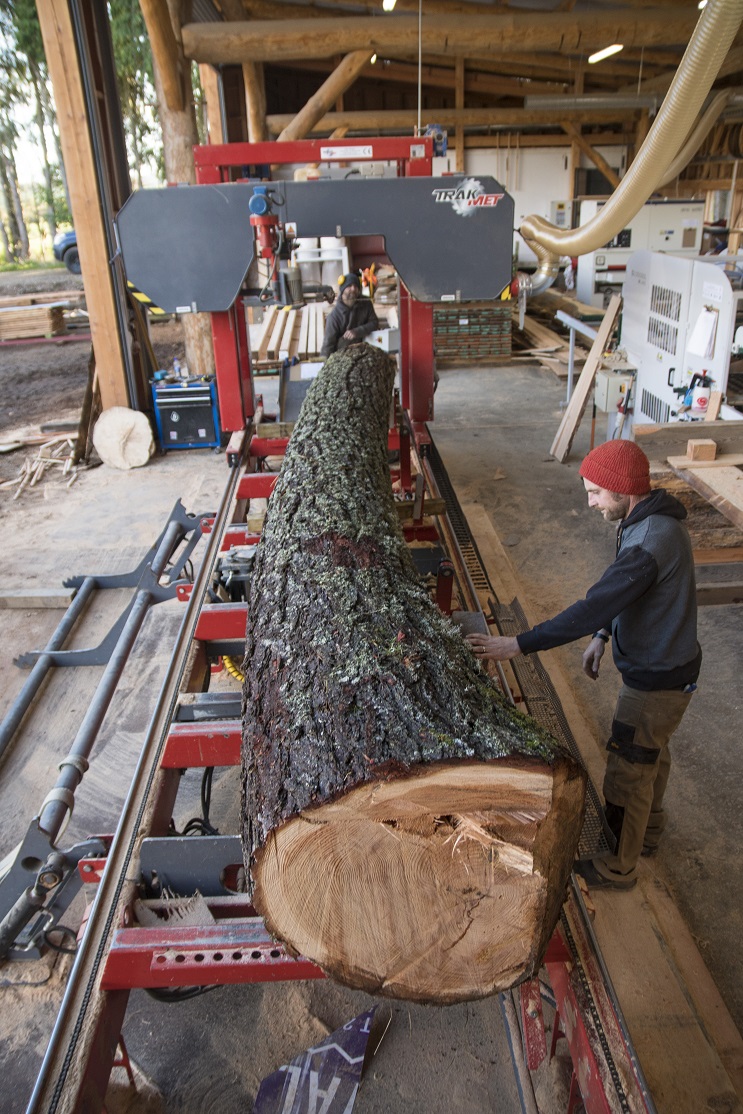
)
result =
(288, 335)
(274, 343)
(52, 297)
(268, 323)
(35, 597)
(303, 329)
(729, 459)
(659, 998)
(722, 487)
(719, 555)
(670, 439)
(557, 366)
(430, 507)
(713, 409)
(317, 330)
(274, 429)
(575, 408)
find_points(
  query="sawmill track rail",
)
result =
(92, 1013)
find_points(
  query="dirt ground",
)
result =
(46, 381)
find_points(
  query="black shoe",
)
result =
(597, 881)
(648, 852)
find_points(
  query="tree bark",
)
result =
(504, 32)
(405, 827)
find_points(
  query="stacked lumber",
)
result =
(58, 297)
(287, 332)
(538, 338)
(472, 331)
(20, 322)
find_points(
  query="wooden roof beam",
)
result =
(406, 119)
(598, 160)
(320, 102)
(509, 32)
(440, 77)
(542, 139)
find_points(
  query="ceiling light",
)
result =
(388, 5)
(605, 53)
(373, 59)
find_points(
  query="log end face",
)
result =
(435, 887)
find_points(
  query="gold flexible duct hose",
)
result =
(708, 46)
(697, 137)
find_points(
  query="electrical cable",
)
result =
(201, 825)
(263, 297)
(59, 948)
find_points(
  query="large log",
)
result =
(403, 826)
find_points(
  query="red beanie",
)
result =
(618, 466)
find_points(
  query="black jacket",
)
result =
(360, 315)
(647, 597)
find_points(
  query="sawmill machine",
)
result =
(190, 249)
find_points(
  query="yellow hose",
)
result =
(232, 669)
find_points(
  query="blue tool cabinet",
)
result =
(186, 414)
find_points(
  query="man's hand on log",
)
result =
(493, 647)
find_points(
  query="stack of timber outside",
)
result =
(30, 316)
(472, 331)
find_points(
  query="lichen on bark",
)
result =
(351, 670)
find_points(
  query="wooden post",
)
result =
(255, 101)
(179, 138)
(459, 105)
(55, 21)
(210, 84)
(253, 80)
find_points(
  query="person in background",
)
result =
(351, 319)
(645, 603)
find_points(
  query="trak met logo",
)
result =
(466, 197)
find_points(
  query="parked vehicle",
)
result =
(65, 250)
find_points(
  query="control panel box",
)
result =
(611, 388)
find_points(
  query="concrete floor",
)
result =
(493, 428)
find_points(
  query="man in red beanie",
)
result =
(350, 320)
(646, 604)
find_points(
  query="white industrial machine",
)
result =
(662, 226)
(678, 323)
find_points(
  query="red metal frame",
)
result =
(219, 163)
(238, 951)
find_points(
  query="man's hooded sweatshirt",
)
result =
(647, 597)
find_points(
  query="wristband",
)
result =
(602, 635)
